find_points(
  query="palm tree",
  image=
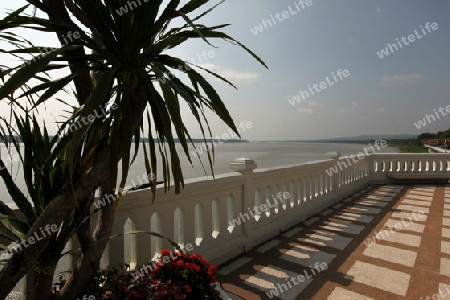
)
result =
(117, 63)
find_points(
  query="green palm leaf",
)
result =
(120, 60)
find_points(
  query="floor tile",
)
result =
(276, 281)
(391, 254)
(382, 278)
(343, 294)
(398, 225)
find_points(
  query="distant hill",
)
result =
(359, 138)
(371, 137)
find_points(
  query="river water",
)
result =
(266, 155)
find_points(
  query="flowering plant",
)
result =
(174, 276)
(126, 287)
(191, 273)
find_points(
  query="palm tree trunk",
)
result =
(90, 260)
(44, 283)
(55, 212)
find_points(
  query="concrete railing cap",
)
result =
(333, 154)
(243, 164)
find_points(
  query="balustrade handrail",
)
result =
(217, 216)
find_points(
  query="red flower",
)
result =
(212, 270)
(179, 263)
(185, 276)
(193, 267)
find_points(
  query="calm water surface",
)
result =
(266, 155)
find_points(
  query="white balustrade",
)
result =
(218, 217)
(409, 165)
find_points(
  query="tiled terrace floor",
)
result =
(408, 259)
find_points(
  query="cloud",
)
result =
(376, 110)
(395, 80)
(310, 110)
(379, 10)
(314, 103)
(351, 109)
(232, 75)
(306, 111)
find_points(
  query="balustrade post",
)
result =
(245, 166)
(335, 178)
(370, 165)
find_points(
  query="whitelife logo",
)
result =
(109, 198)
(319, 267)
(430, 118)
(75, 125)
(384, 234)
(221, 139)
(8, 161)
(158, 262)
(319, 87)
(72, 36)
(342, 165)
(131, 5)
(266, 24)
(202, 59)
(282, 196)
(87, 297)
(411, 38)
(440, 295)
(16, 247)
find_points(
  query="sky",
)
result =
(327, 76)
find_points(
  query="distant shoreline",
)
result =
(193, 140)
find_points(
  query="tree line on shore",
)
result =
(406, 145)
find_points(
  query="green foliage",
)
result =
(174, 275)
(128, 52)
(417, 145)
(441, 135)
(131, 82)
(408, 145)
(43, 179)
